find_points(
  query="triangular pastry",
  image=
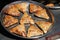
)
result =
(20, 30)
(26, 19)
(44, 25)
(9, 20)
(34, 31)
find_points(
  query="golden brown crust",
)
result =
(34, 8)
(44, 25)
(50, 5)
(9, 20)
(12, 10)
(26, 19)
(38, 11)
(22, 7)
(34, 31)
(17, 6)
(20, 30)
(42, 13)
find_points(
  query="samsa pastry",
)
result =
(12, 10)
(42, 14)
(9, 20)
(34, 31)
(34, 8)
(19, 30)
(50, 5)
(44, 25)
(26, 19)
(17, 6)
(22, 6)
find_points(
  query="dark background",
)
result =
(4, 2)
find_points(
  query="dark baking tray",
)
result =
(49, 13)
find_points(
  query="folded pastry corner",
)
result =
(11, 10)
(42, 14)
(38, 11)
(26, 19)
(44, 25)
(34, 8)
(19, 30)
(34, 31)
(17, 6)
(22, 6)
(9, 20)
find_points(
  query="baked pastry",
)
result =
(44, 25)
(34, 31)
(17, 6)
(9, 20)
(34, 8)
(26, 19)
(22, 6)
(12, 10)
(20, 30)
(42, 14)
(50, 5)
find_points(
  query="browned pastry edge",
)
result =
(20, 30)
(50, 5)
(11, 10)
(9, 20)
(44, 25)
(34, 31)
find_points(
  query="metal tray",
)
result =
(17, 36)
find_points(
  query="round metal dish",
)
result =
(47, 10)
